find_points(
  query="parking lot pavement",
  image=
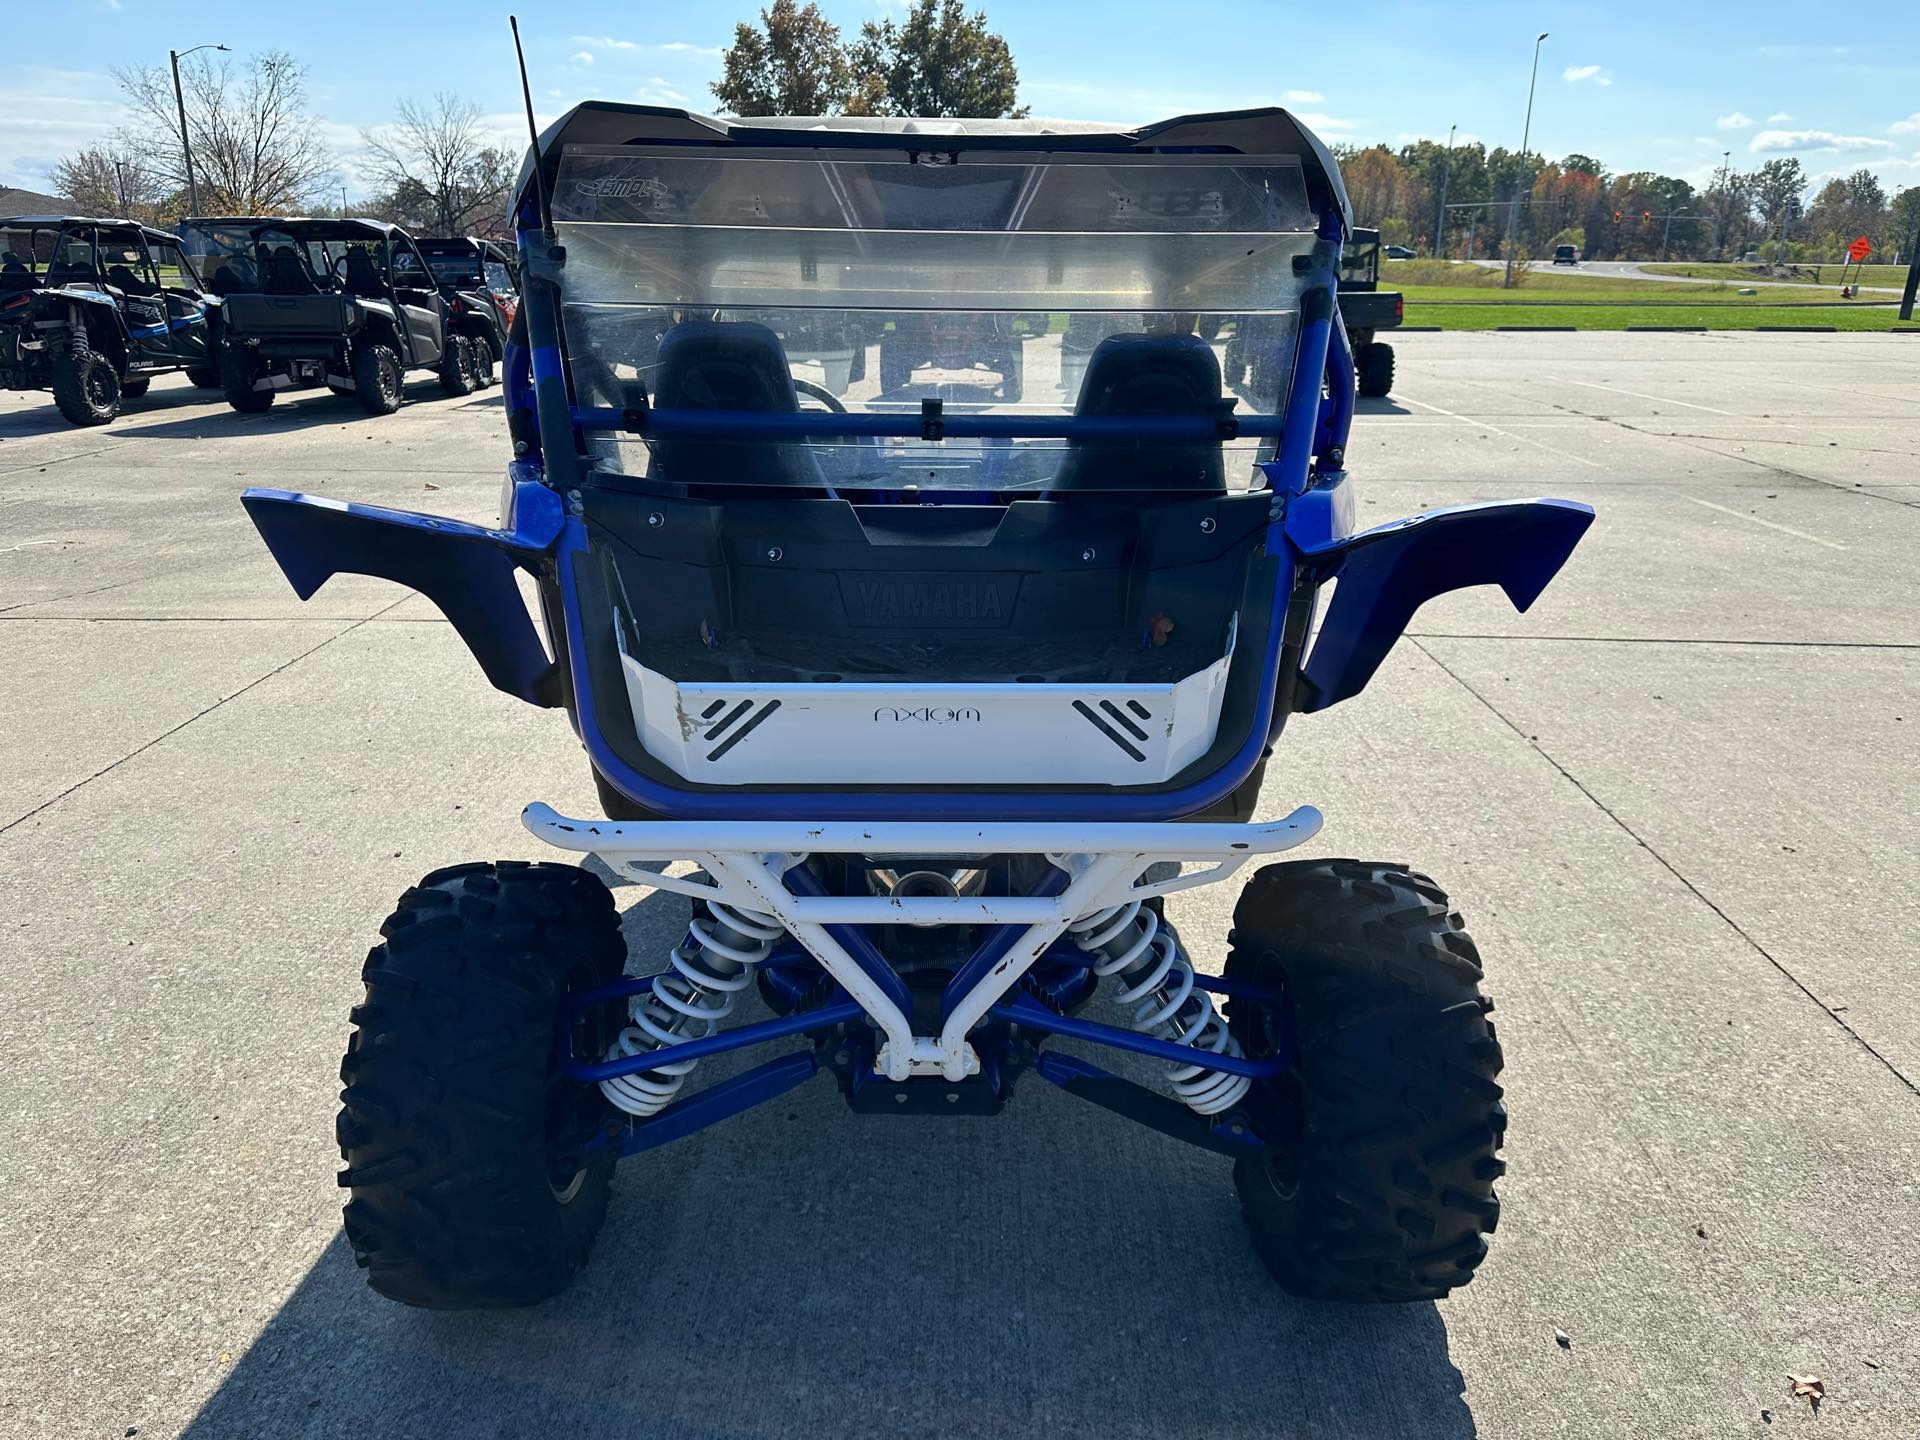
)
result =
(1675, 802)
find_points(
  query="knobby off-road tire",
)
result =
(1376, 370)
(204, 377)
(456, 366)
(460, 1139)
(377, 378)
(86, 386)
(1385, 1189)
(236, 380)
(134, 388)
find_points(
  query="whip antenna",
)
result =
(533, 131)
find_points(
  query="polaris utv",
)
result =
(94, 309)
(345, 303)
(479, 280)
(940, 700)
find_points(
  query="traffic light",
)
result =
(1616, 217)
(1646, 215)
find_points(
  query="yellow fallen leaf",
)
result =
(1808, 1387)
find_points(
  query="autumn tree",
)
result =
(938, 61)
(256, 145)
(113, 179)
(792, 63)
(437, 163)
(1776, 188)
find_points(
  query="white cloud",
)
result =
(605, 42)
(1908, 126)
(1775, 142)
(681, 47)
(1735, 121)
(667, 47)
(583, 57)
(1779, 117)
(1598, 74)
(1303, 97)
(1324, 122)
(658, 91)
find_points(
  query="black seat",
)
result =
(363, 279)
(727, 365)
(1148, 375)
(14, 274)
(286, 275)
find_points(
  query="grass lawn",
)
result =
(1709, 316)
(1826, 276)
(1457, 296)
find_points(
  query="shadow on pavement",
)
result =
(44, 417)
(1381, 405)
(802, 1271)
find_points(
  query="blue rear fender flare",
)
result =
(467, 570)
(1390, 571)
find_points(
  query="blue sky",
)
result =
(1664, 87)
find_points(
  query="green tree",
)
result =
(938, 61)
(793, 63)
(1777, 187)
(1903, 223)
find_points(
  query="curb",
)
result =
(1420, 329)
(1538, 329)
(1667, 329)
(1799, 329)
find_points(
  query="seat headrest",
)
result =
(723, 365)
(1151, 375)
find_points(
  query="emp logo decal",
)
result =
(928, 714)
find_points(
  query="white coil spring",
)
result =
(687, 1002)
(1143, 950)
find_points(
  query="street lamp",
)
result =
(1440, 212)
(186, 147)
(1526, 138)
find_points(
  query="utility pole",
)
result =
(1526, 140)
(180, 105)
(1440, 213)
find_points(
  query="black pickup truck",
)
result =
(1367, 309)
(345, 303)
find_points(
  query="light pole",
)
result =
(1526, 139)
(180, 105)
(1440, 211)
(1725, 207)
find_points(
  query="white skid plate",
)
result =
(745, 862)
(728, 733)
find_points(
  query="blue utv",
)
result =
(939, 688)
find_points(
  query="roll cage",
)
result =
(570, 503)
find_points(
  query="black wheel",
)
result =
(1374, 367)
(462, 1141)
(1011, 363)
(1377, 1179)
(483, 361)
(456, 366)
(376, 378)
(86, 386)
(133, 388)
(237, 374)
(204, 377)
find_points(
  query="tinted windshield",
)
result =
(1091, 285)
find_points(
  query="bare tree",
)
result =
(112, 179)
(435, 163)
(256, 146)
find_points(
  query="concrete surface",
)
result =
(1675, 802)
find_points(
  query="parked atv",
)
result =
(94, 309)
(479, 280)
(345, 303)
(938, 701)
(1367, 310)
